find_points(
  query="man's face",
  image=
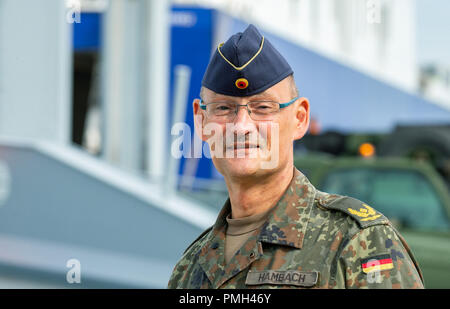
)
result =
(245, 147)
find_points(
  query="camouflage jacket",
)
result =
(311, 239)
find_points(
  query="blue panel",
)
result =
(86, 34)
(191, 45)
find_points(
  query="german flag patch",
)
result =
(377, 263)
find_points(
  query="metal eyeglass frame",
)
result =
(282, 105)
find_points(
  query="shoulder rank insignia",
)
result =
(367, 213)
(361, 212)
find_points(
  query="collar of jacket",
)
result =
(287, 222)
(286, 225)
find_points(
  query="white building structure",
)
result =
(373, 36)
(435, 84)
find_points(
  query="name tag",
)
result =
(288, 277)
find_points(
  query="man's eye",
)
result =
(263, 106)
(223, 107)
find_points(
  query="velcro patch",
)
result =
(377, 263)
(288, 277)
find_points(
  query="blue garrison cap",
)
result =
(245, 65)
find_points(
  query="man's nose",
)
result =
(242, 114)
(243, 123)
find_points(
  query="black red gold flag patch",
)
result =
(377, 263)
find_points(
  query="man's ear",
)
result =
(301, 118)
(199, 119)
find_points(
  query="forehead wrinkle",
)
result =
(267, 95)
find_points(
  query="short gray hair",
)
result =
(294, 88)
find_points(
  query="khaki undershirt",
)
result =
(239, 230)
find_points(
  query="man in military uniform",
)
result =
(276, 230)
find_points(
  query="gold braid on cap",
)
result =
(248, 62)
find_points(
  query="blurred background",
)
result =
(90, 195)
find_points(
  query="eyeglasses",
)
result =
(258, 110)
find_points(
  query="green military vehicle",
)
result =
(410, 193)
(425, 142)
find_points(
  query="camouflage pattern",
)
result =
(307, 232)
